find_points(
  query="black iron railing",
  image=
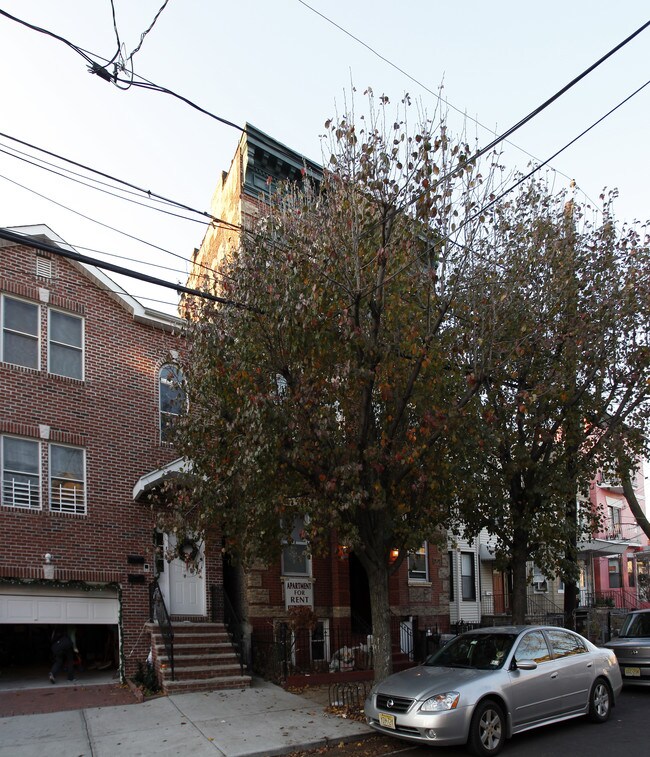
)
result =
(222, 609)
(542, 609)
(282, 651)
(158, 614)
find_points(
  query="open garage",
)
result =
(30, 613)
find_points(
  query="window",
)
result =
(614, 522)
(319, 642)
(20, 332)
(468, 577)
(614, 570)
(451, 576)
(65, 345)
(296, 560)
(20, 472)
(67, 479)
(418, 564)
(533, 647)
(565, 644)
(540, 584)
(172, 399)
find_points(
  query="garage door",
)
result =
(42, 604)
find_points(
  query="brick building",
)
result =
(86, 398)
(334, 587)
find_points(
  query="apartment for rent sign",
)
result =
(298, 592)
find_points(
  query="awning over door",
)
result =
(56, 604)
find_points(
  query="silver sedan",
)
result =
(489, 684)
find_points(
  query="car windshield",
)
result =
(480, 651)
(636, 626)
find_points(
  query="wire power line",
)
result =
(146, 192)
(451, 105)
(30, 241)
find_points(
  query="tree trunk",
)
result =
(633, 502)
(571, 558)
(519, 577)
(380, 611)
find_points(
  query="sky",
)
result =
(284, 68)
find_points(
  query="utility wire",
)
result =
(521, 180)
(428, 89)
(116, 230)
(89, 218)
(125, 183)
(104, 74)
(146, 31)
(500, 138)
(25, 239)
(50, 168)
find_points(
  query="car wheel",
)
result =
(600, 702)
(487, 732)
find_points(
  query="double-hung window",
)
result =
(468, 577)
(20, 332)
(65, 354)
(67, 479)
(21, 472)
(417, 564)
(296, 560)
(540, 584)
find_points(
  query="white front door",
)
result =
(183, 589)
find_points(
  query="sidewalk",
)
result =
(262, 721)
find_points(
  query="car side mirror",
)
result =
(526, 665)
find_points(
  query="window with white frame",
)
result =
(296, 560)
(452, 577)
(21, 472)
(67, 479)
(418, 564)
(20, 332)
(172, 398)
(65, 354)
(540, 584)
(468, 577)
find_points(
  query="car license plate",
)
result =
(388, 721)
(632, 672)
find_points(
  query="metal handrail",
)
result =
(158, 613)
(234, 628)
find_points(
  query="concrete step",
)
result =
(206, 684)
(182, 673)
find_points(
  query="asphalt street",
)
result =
(625, 734)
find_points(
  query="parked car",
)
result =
(632, 648)
(487, 685)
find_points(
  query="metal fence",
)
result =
(281, 651)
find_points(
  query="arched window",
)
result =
(172, 398)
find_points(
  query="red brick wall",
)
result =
(426, 601)
(113, 414)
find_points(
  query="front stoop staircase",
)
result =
(204, 659)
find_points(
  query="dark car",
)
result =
(487, 685)
(632, 648)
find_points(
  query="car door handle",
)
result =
(554, 675)
(589, 664)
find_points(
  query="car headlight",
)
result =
(441, 702)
